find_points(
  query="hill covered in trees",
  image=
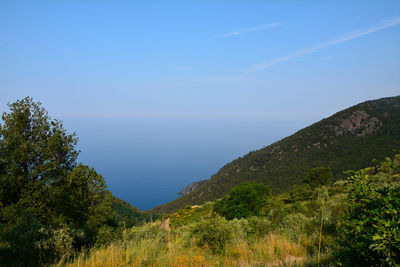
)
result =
(352, 222)
(54, 210)
(349, 139)
(127, 215)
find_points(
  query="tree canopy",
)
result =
(243, 201)
(41, 184)
(316, 177)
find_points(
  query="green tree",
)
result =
(369, 232)
(41, 186)
(246, 199)
(83, 197)
(36, 153)
(319, 176)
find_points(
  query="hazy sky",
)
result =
(187, 86)
(199, 58)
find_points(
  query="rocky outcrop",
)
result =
(359, 123)
(191, 187)
(348, 140)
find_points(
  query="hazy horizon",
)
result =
(147, 170)
(162, 94)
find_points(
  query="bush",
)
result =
(258, 226)
(370, 229)
(214, 233)
(19, 236)
(300, 192)
(243, 201)
(106, 235)
(55, 244)
(297, 224)
(251, 227)
(319, 176)
(147, 231)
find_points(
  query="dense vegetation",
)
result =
(243, 201)
(127, 215)
(348, 223)
(350, 139)
(50, 206)
(56, 211)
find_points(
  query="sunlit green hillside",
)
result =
(348, 223)
(350, 139)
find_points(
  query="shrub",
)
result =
(243, 201)
(250, 229)
(370, 229)
(295, 224)
(19, 236)
(106, 235)
(258, 226)
(316, 177)
(300, 192)
(214, 233)
(55, 244)
(147, 231)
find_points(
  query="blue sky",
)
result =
(198, 58)
(180, 70)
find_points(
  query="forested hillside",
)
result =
(354, 222)
(350, 139)
(127, 215)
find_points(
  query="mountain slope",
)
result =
(127, 215)
(191, 187)
(350, 139)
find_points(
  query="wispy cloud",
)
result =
(252, 29)
(325, 58)
(387, 23)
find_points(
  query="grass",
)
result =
(272, 250)
(255, 241)
(290, 233)
(146, 246)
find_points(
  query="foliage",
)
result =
(391, 166)
(300, 192)
(36, 153)
(44, 194)
(106, 235)
(302, 232)
(18, 237)
(214, 233)
(370, 230)
(147, 231)
(286, 162)
(252, 227)
(55, 243)
(243, 201)
(127, 216)
(319, 176)
(51, 207)
(191, 214)
(85, 198)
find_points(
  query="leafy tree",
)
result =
(84, 198)
(36, 153)
(243, 201)
(319, 176)
(41, 186)
(369, 232)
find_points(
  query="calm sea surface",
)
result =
(147, 161)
